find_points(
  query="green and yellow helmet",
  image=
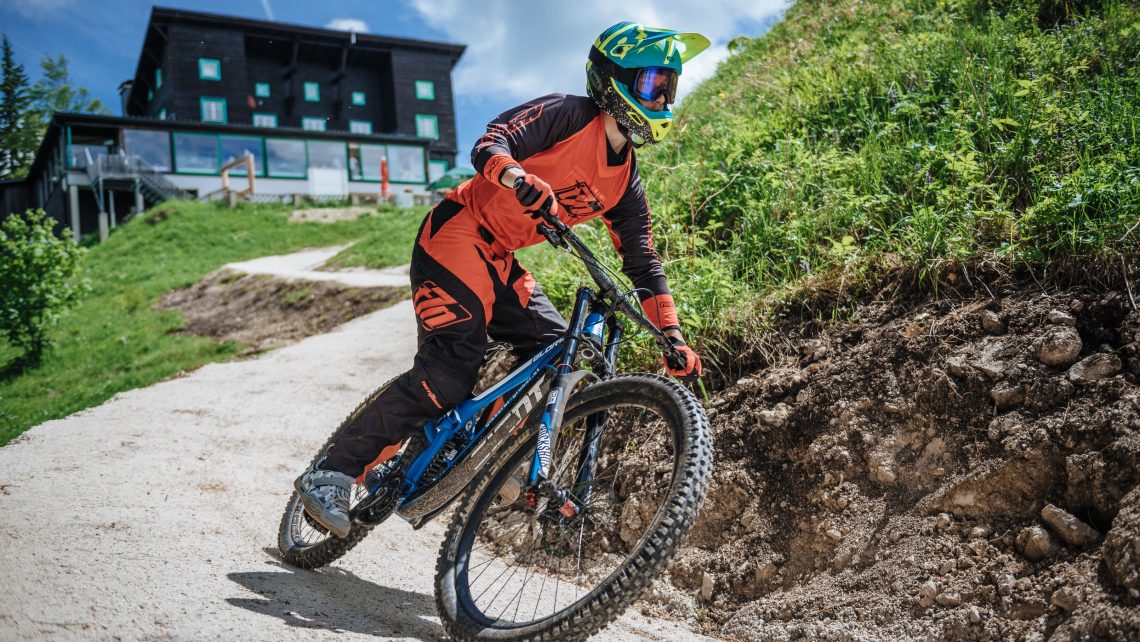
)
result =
(630, 61)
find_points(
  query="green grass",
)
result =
(114, 341)
(861, 140)
(390, 245)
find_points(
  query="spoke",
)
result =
(557, 574)
(541, 587)
(522, 523)
(485, 570)
(513, 565)
(518, 593)
(578, 574)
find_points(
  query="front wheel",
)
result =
(515, 567)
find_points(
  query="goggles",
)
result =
(653, 82)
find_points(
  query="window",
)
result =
(436, 169)
(213, 110)
(158, 78)
(312, 92)
(425, 90)
(358, 98)
(236, 147)
(360, 126)
(406, 164)
(149, 95)
(209, 69)
(151, 146)
(264, 120)
(162, 114)
(427, 126)
(313, 124)
(325, 155)
(285, 158)
(364, 161)
(196, 153)
(261, 90)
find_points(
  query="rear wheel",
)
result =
(514, 567)
(303, 542)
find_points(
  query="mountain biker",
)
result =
(572, 153)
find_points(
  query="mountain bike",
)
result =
(575, 485)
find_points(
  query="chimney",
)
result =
(124, 95)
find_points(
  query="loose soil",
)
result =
(266, 312)
(329, 214)
(899, 477)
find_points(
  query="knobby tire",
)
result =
(692, 465)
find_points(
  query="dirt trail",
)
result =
(154, 516)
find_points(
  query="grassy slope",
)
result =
(114, 341)
(860, 138)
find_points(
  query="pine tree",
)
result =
(56, 92)
(18, 131)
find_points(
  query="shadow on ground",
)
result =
(337, 600)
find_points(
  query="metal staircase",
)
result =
(119, 172)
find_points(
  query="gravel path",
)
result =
(154, 516)
(305, 265)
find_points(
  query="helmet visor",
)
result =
(653, 82)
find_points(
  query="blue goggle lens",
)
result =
(653, 82)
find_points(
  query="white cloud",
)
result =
(348, 24)
(38, 9)
(518, 50)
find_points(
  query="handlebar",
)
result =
(559, 235)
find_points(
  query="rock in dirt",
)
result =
(814, 350)
(707, 583)
(1059, 346)
(992, 323)
(1070, 529)
(775, 418)
(1035, 543)
(1007, 395)
(1060, 317)
(1121, 548)
(949, 598)
(1065, 598)
(927, 593)
(1094, 368)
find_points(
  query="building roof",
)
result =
(160, 17)
(165, 15)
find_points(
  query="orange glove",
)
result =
(686, 365)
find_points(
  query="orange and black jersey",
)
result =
(562, 139)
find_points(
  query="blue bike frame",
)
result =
(522, 390)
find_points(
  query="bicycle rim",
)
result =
(521, 565)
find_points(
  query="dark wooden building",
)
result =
(316, 108)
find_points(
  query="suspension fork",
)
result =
(559, 388)
(596, 423)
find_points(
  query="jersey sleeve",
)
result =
(631, 231)
(522, 132)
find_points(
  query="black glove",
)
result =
(531, 190)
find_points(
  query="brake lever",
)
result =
(675, 358)
(553, 237)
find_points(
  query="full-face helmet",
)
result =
(631, 61)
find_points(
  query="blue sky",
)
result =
(516, 50)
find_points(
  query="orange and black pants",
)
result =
(466, 288)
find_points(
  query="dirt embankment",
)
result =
(956, 470)
(266, 312)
